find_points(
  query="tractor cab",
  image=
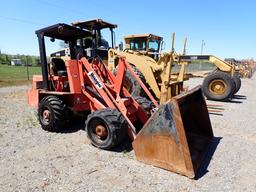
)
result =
(147, 44)
(54, 74)
(98, 43)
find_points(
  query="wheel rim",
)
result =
(218, 87)
(101, 131)
(98, 131)
(46, 116)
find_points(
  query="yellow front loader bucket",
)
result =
(177, 136)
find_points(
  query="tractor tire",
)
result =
(52, 113)
(106, 128)
(145, 104)
(237, 81)
(218, 86)
(131, 84)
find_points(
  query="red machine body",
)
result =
(92, 87)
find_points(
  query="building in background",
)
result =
(16, 62)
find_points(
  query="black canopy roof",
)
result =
(64, 32)
(94, 23)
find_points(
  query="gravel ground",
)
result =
(35, 160)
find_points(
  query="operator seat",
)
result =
(59, 67)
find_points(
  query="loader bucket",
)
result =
(177, 136)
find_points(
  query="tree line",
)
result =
(5, 59)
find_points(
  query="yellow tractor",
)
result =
(149, 65)
(143, 51)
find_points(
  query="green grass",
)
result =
(16, 75)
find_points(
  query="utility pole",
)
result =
(202, 47)
(27, 68)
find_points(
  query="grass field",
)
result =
(16, 75)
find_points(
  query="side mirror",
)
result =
(162, 45)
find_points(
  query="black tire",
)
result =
(131, 84)
(52, 113)
(221, 79)
(114, 128)
(145, 104)
(237, 80)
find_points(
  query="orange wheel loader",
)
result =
(173, 136)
